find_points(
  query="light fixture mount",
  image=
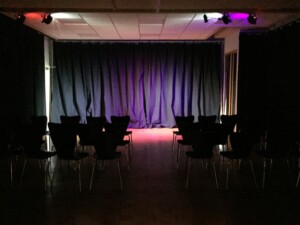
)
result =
(20, 18)
(47, 19)
(252, 18)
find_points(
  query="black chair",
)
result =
(202, 149)
(176, 133)
(88, 134)
(72, 120)
(64, 140)
(207, 123)
(96, 120)
(32, 148)
(118, 131)
(278, 147)
(128, 133)
(7, 150)
(40, 123)
(241, 149)
(105, 147)
(186, 131)
(229, 121)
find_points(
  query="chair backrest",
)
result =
(116, 130)
(183, 119)
(88, 133)
(203, 143)
(207, 123)
(40, 122)
(99, 120)
(105, 145)
(241, 144)
(70, 119)
(120, 119)
(229, 121)
(187, 129)
(63, 137)
(31, 139)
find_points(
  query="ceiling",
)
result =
(149, 19)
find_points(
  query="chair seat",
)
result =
(234, 155)
(184, 142)
(107, 156)
(75, 156)
(199, 155)
(272, 154)
(41, 155)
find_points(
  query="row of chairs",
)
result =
(204, 124)
(30, 139)
(99, 121)
(242, 147)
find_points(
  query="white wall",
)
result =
(232, 42)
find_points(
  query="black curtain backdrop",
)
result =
(269, 78)
(149, 81)
(22, 82)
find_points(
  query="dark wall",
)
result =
(269, 78)
(22, 72)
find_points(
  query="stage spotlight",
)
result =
(205, 18)
(20, 18)
(47, 19)
(252, 19)
(226, 19)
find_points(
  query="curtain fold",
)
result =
(149, 81)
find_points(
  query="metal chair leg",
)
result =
(11, 173)
(227, 174)
(251, 164)
(21, 179)
(79, 175)
(188, 174)
(119, 170)
(178, 155)
(217, 185)
(92, 176)
(264, 174)
(298, 179)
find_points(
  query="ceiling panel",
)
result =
(147, 19)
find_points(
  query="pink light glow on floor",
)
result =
(152, 135)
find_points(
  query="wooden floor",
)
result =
(154, 192)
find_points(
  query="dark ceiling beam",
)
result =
(161, 10)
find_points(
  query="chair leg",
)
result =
(11, 173)
(119, 170)
(23, 170)
(264, 174)
(217, 185)
(298, 179)
(174, 141)
(131, 144)
(188, 174)
(79, 175)
(178, 155)
(45, 174)
(251, 164)
(92, 176)
(227, 173)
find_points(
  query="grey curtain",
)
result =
(149, 81)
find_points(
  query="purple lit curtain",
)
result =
(149, 81)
